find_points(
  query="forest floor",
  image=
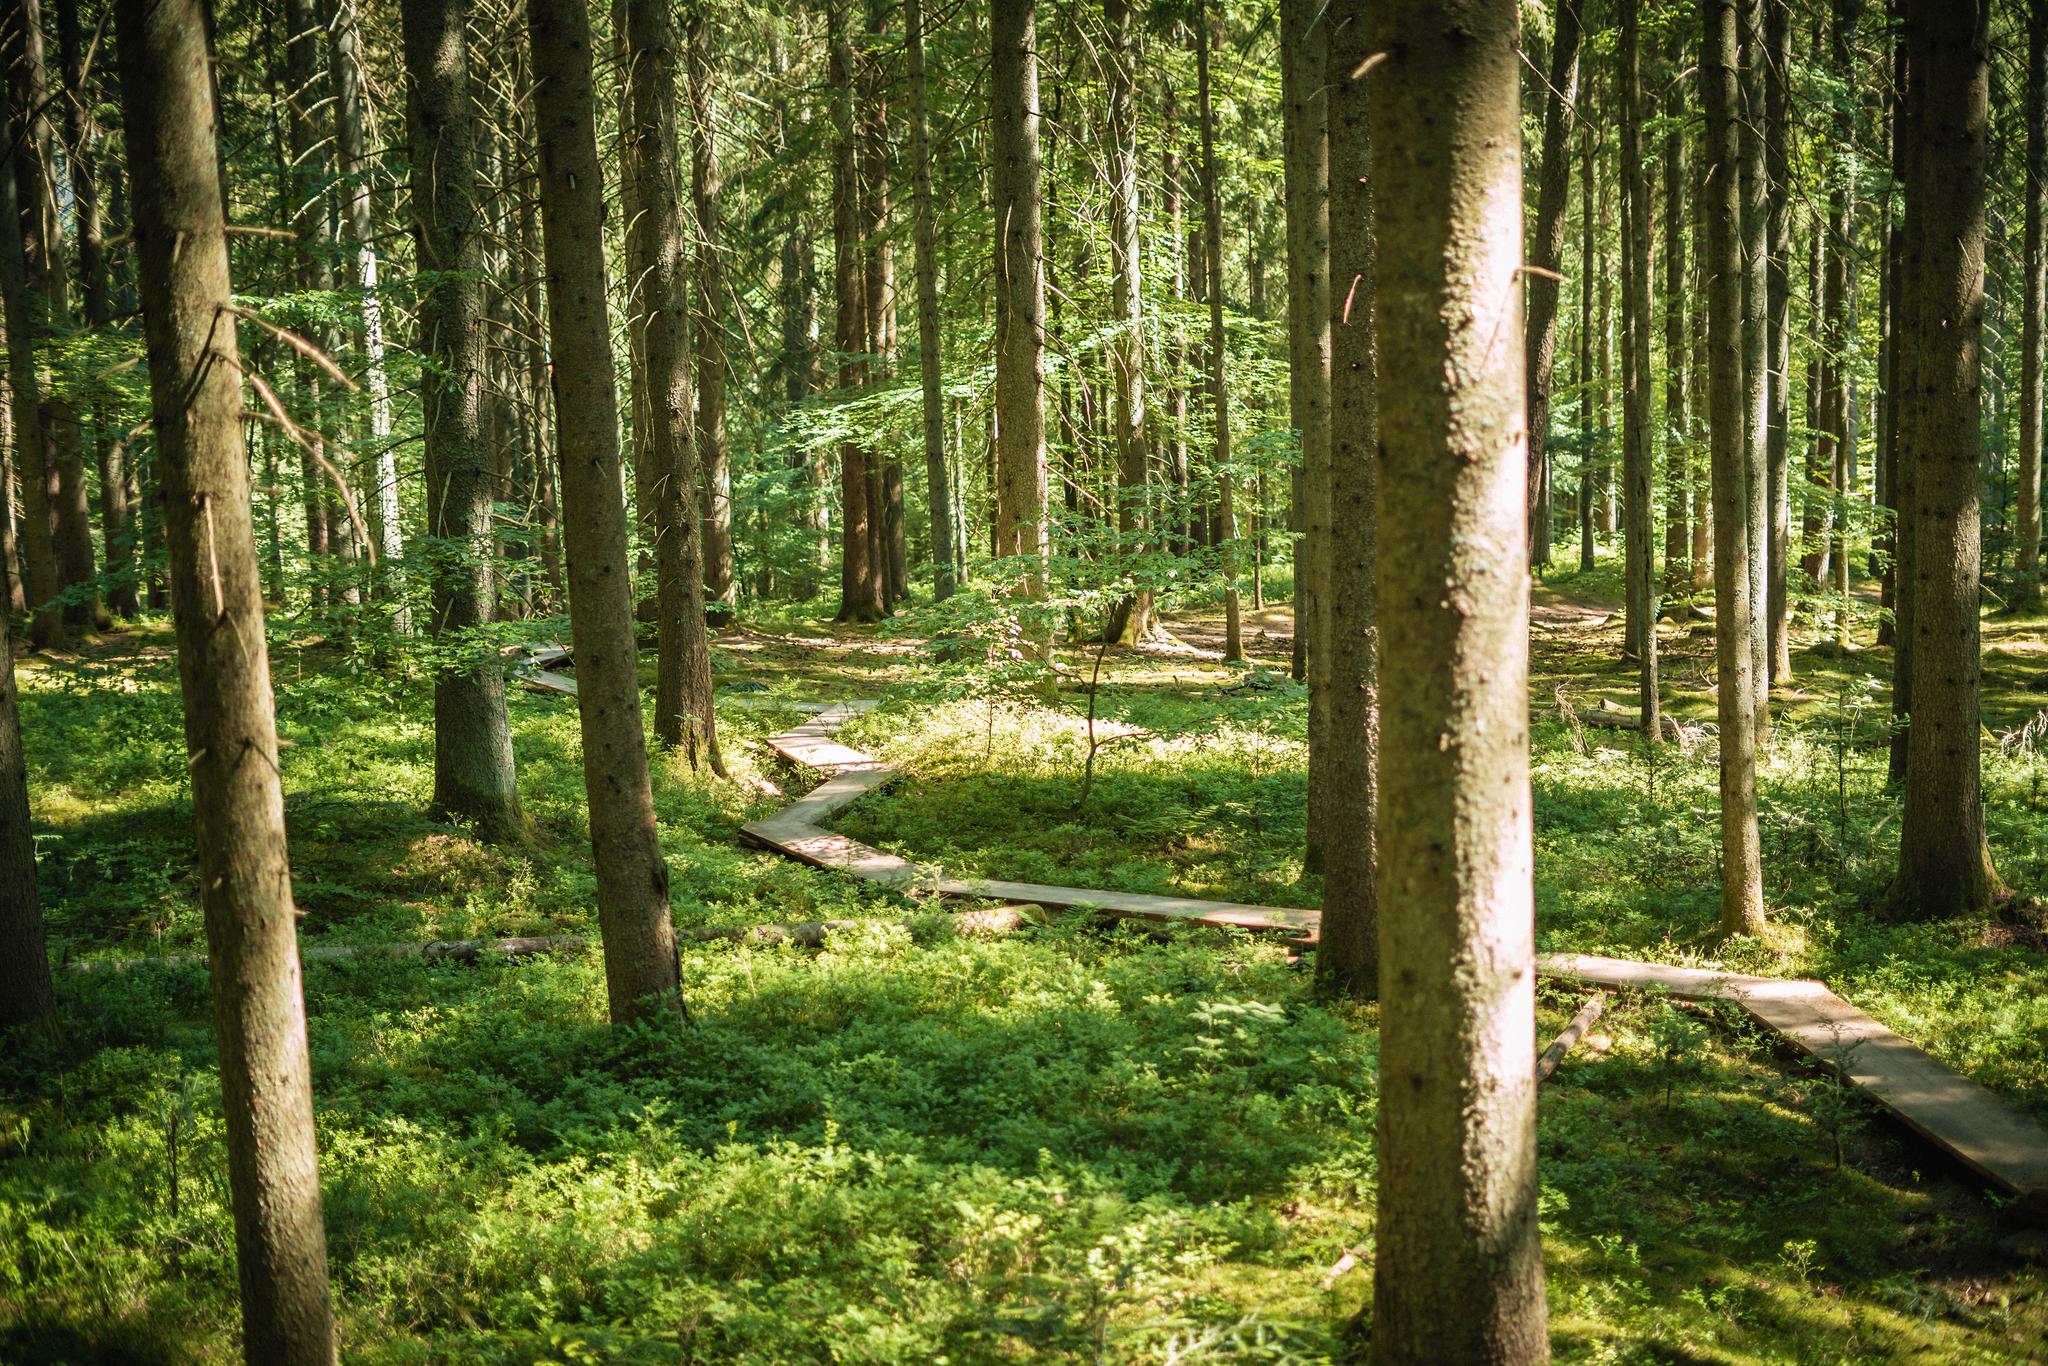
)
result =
(1078, 1142)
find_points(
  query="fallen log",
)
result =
(1573, 1032)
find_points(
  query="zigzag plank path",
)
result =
(2007, 1149)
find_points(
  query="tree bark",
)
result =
(889, 545)
(1344, 668)
(31, 459)
(473, 773)
(180, 237)
(1754, 179)
(1546, 259)
(1130, 621)
(1638, 472)
(1459, 1273)
(1944, 857)
(1736, 676)
(1219, 358)
(930, 362)
(641, 969)
(1589, 271)
(1021, 476)
(313, 274)
(683, 714)
(2034, 310)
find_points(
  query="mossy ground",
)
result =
(1074, 1143)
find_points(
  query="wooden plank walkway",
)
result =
(2006, 1148)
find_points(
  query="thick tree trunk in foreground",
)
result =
(1737, 681)
(1944, 858)
(1344, 671)
(1304, 53)
(641, 969)
(237, 801)
(2034, 308)
(938, 483)
(683, 716)
(1219, 358)
(26, 996)
(1546, 259)
(1459, 1273)
(1020, 466)
(1638, 476)
(473, 774)
(713, 458)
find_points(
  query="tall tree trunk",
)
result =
(1638, 472)
(1344, 664)
(800, 378)
(1546, 259)
(721, 589)
(1839, 283)
(1820, 452)
(1459, 1275)
(1174, 452)
(1680, 439)
(1703, 558)
(309, 227)
(2034, 309)
(1219, 360)
(1777, 63)
(1304, 54)
(47, 281)
(473, 774)
(1944, 858)
(1130, 621)
(889, 546)
(1021, 476)
(930, 364)
(1736, 676)
(1754, 178)
(683, 715)
(244, 879)
(32, 462)
(1589, 271)
(350, 144)
(860, 597)
(1896, 630)
(81, 133)
(641, 969)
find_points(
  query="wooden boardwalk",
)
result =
(2007, 1149)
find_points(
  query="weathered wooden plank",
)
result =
(1136, 905)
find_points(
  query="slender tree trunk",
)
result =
(1820, 452)
(1219, 361)
(2034, 309)
(32, 461)
(1776, 57)
(1944, 857)
(888, 544)
(1130, 621)
(1459, 1273)
(721, 589)
(1304, 52)
(81, 133)
(385, 519)
(641, 969)
(237, 799)
(47, 280)
(1589, 271)
(1344, 672)
(1680, 445)
(1754, 180)
(1174, 447)
(1838, 285)
(309, 226)
(1736, 675)
(1638, 471)
(473, 774)
(938, 484)
(1546, 257)
(1021, 476)
(860, 597)
(1703, 557)
(683, 715)
(800, 378)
